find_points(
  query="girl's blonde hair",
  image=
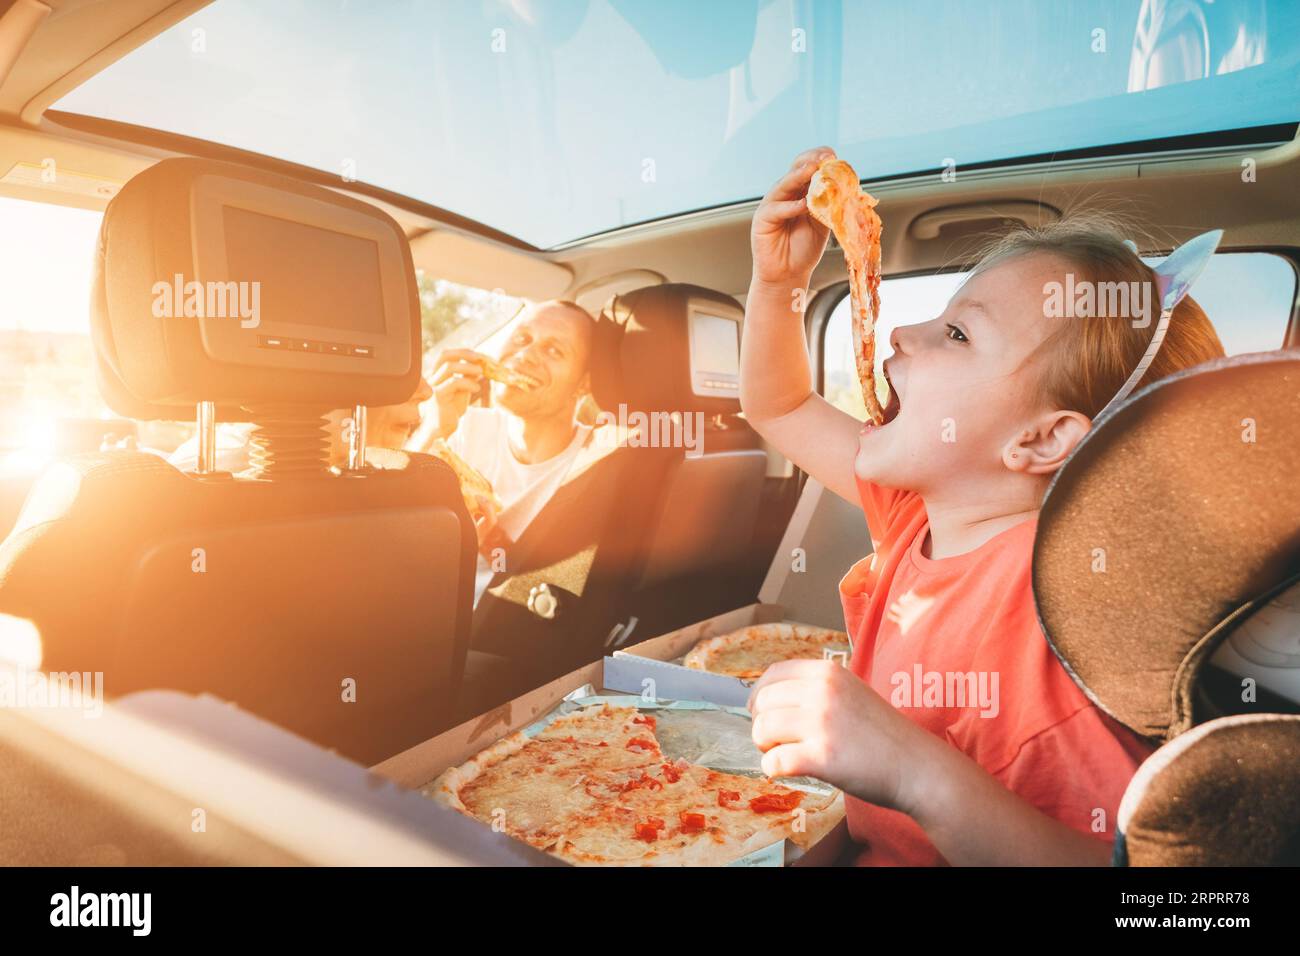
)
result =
(1086, 360)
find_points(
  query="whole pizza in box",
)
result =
(748, 652)
(594, 788)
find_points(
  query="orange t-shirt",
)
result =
(955, 644)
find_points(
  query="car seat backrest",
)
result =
(335, 602)
(1225, 793)
(665, 503)
(679, 350)
(1174, 522)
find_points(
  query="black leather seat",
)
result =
(640, 539)
(336, 604)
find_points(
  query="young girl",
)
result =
(1008, 763)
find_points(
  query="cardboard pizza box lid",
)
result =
(656, 660)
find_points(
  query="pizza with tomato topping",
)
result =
(497, 372)
(473, 486)
(748, 652)
(837, 200)
(595, 789)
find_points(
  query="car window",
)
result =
(462, 316)
(46, 369)
(1247, 295)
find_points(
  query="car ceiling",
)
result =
(930, 223)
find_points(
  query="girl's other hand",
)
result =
(818, 719)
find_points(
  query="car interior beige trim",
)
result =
(593, 294)
(17, 25)
(70, 32)
(928, 225)
(487, 265)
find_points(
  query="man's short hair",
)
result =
(566, 304)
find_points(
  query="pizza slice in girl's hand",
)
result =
(836, 200)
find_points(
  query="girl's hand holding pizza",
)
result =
(786, 242)
(817, 718)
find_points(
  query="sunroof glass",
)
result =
(551, 121)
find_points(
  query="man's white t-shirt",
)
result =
(482, 438)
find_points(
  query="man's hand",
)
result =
(457, 378)
(786, 241)
(817, 718)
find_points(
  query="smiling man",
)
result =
(526, 442)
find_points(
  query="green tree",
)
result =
(448, 309)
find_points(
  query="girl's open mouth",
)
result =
(894, 405)
(891, 408)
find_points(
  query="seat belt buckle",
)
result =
(543, 601)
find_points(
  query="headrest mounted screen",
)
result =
(226, 284)
(715, 352)
(670, 347)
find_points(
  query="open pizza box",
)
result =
(417, 767)
(651, 659)
(654, 666)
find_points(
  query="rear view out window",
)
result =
(46, 362)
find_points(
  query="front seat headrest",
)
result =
(1226, 793)
(1177, 510)
(666, 348)
(215, 282)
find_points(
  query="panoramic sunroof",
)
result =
(552, 120)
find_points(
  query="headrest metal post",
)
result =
(207, 438)
(357, 439)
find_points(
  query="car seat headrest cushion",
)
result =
(641, 356)
(152, 367)
(1226, 793)
(1176, 511)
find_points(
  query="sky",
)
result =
(555, 119)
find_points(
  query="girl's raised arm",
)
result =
(776, 390)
